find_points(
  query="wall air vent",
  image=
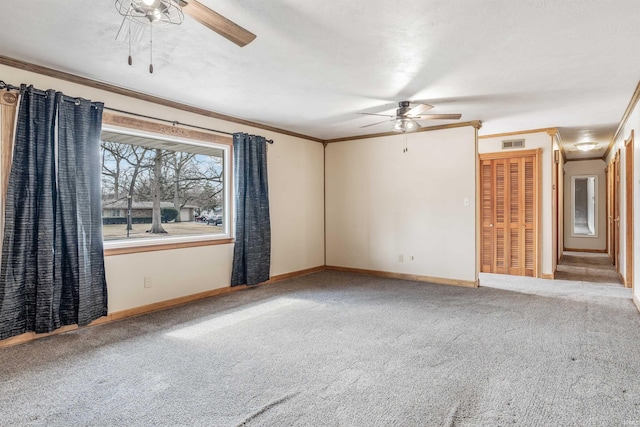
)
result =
(512, 143)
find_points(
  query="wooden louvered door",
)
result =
(509, 213)
(487, 250)
(500, 220)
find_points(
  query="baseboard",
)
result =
(622, 280)
(591, 251)
(548, 276)
(30, 336)
(413, 277)
(636, 302)
(295, 274)
(149, 308)
(136, 311)
(161, 305)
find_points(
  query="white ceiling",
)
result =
(513, 64)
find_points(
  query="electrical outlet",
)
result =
(400, 258)
(147, 282)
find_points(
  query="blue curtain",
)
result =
(252, 251)
(52, 271)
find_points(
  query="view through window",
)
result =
(158, 188)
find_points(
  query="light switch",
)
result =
(466, 201)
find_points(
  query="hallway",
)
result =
(582, 277)
(587, 267)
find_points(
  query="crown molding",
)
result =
(118, 90)
(477, 124)
(623, 121)
(50, 72)
(560, 145)
(550, 131)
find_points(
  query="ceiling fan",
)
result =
(140, 14)
(216, 22)
(159, 12)
(406, 116)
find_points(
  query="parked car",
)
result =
(201, 218)
(214, 220)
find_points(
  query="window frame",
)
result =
(174, 133)
(8, 116)
(595, 204)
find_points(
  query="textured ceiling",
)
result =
(514, 64)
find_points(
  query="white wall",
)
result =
(382, 203)
(632, 124)
(533, 141)
(581, 168)
(296, 190)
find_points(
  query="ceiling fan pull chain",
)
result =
(151, 48)
(130, 59)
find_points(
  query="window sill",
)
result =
(113, 248)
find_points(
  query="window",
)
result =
(584, 196)
(162, 188)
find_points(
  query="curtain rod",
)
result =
(173, 122)
(7, 86)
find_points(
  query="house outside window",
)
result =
(160, 188)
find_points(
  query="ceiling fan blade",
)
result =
(218, 23)
(419, 109)
(375, 114)
(373, 124)
(438, 117)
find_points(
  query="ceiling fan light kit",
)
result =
(405, 125)
(151, 11)
(148, 12)
(406, 117)
(171, 12)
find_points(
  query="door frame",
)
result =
(555, 214)
(607, 198)
(628, 197)
(615, 224)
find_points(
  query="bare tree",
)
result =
(122, 163)
(156, 216)
(112, 156)
(179, 162)
(194, 179)
(133, 173)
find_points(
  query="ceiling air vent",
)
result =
(512, 143)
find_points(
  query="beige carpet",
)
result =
(339, 349)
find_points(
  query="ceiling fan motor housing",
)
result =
(404, 108)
